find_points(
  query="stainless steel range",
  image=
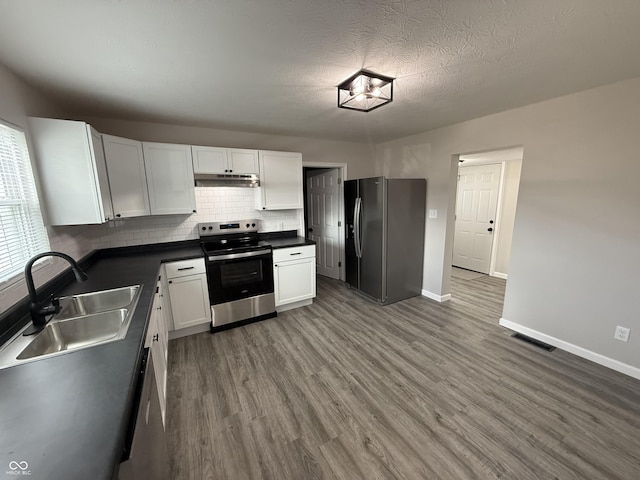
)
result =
(239, 272)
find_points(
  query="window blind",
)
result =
(22, 232)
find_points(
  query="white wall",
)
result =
(17, 101)
(512, 170)
(574, 260)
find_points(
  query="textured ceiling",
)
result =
(272, 65)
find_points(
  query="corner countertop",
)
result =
(66, 416)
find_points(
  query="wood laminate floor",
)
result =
(346, 389)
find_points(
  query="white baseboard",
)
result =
(436, 297)
(575, 349)
(500, 275)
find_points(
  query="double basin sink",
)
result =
(83, 321)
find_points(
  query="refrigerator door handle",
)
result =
(356, 224)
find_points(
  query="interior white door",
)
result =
(476, 203)
(323, 214)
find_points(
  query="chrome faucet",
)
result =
(39, 311)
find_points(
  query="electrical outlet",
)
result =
(433, 213)
(622, 334)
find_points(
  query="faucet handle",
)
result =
(55, 303)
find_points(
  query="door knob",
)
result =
(489, 229)
(311, 229)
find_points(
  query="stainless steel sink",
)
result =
(84, 321)
(96, 302)
(77, 333)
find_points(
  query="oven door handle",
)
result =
(234, 256)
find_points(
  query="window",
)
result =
(22, 232)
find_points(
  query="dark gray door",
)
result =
(372, 193)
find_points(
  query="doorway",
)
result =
(486, 198)
(323, 217)
(476, 207)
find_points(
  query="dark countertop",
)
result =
(66, 416)
(285, 239)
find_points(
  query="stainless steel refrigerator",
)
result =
(384, 247)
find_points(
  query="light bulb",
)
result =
(376, 92)
(360, 97)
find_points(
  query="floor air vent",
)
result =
(533, 341)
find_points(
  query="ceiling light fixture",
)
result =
(365, 91)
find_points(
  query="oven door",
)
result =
(236, 276)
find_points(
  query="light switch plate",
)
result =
(433, 213)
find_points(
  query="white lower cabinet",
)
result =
(157, 340)
(188, 293)
(294, 276)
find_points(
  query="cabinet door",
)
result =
(169, 178)
(165, 303)
(243, 161)
(210, 160)
(280, 181)
(189, 301)
(158, 354)
(101, 175)
(163, 331)
(127, 177)
(67, 170)
(294, 280)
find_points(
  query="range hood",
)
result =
(226, 180)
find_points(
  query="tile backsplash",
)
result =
(213, 204)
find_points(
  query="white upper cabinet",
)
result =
(280, 181)
(209, 160)
(242, 161)
(102, 176)
(218, 160)
(70, 166)
(127, 176)
(169, 178)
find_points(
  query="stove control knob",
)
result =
(247, 225)
(253, 224)
(204, 228)
(210, 228)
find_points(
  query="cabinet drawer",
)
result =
(185, 267)
(294, 253)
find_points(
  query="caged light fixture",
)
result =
(365, 91)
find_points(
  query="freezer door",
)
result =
(372, 210)
(351, 259)
(406, 201)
